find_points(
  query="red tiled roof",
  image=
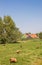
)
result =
(32, 35)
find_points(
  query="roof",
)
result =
(32, 35)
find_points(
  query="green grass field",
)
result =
(31, 53)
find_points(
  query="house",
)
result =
(27, 36)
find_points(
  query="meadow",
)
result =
(31, 53)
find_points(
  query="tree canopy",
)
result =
(8, 30)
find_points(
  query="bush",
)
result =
(40, 35)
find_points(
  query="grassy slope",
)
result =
(31, 53)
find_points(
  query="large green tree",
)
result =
(12, 32)
(8, 30)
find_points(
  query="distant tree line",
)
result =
(8, 30)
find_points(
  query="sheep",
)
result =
(18, 51)
(13, 60)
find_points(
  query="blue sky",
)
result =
(27, 14)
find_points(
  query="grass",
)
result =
(31, 53)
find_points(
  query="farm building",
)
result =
(29, 36)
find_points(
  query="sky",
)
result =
(27, 14)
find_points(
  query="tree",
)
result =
(12, 32)
(8, 30)
(40, 35)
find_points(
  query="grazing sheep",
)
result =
(18, 51)
(13, 60)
